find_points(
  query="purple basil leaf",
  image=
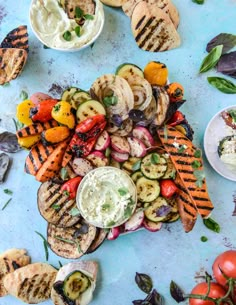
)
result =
(4, 166)
(176, 292)
(141, 302)
(117, 120)
(144, 282)
(136, 115)
(155, 298)
(9, 142)
(163, 211)
(228, 41)
(227, 64)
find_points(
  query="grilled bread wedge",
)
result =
(71, 242)
(153, 29)
(87, 6)
(11, 260)
(31, 284)
(17, 38)
(55, 206)
(166, 5)
(12, 62)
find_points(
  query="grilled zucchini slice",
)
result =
(154, 166)
(75, 284)
(89, 109)
(151, 211)
(127, 69)
(68, 93)
(135, 176)
(79, 97)
(171, 171)
(128, 165)
(147, 190)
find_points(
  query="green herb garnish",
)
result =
(6, 204)
(232, 113)
(6, 84)
(45, 244)
(63, 173)
(228, 41)
(78, 31)
(8, 192)
(204, 239)
(155, 158)
(110, 224)
(136, 166)
(60, 264)
(107, 152)
(67, 35)
(18, 125)
(222, 84)
(74, 212)
(200, 176)
(23, 95)
(212, 224)
(106, 206)
(68, 241)
(123, 191)
(78, 12)
(88, 17)
(196, 164)
(211, 59)
(56, 207)
(144, 282)
(198, 1)
(181, 149)
(110, 100)
(197, 153)
(66, 193)
(57, 107)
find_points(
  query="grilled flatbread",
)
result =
(166, 5)
(31, 284)
(12, 62)
(17, 38)
(87, 6)
(153, 29)
(114, 3)
(11, 260)
(71, 242)
(89, 268)
(55, 207)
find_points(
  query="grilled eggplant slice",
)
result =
(55, 206)
(31, 284)
(99, 239)
(70, 242)
(11, 260)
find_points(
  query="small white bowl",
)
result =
(54, 40)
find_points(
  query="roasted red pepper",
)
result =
(42, 112)
(89, 123)
(168, 188)
(176, 119)
(70, 187)
(82, 143)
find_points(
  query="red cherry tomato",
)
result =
(216, 291)
(176, 119)
(226, 262)
(168, 188)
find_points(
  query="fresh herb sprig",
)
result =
(45, 244)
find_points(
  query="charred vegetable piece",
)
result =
(68, 93)
(135, 176)
(128, 165)
(163, 104)
(168, 188)
(4, 166)
(75, 284)
(147, 190)
(186, 130)
(153, 166)
(78, 98)
(70, 187)
(175, 92)
(177, 118)
(42, 112)
(156, 73)
(89, 109)
(28, 142)
(227, 64)
(62, 112)
(230, 118)
(23, 112)
(157, 210)
(55, 135)
(128, 69)
(9, 142)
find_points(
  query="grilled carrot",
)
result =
(52, 165)
(67, 156)
(35, 128)
(187, 162)
(36, 157)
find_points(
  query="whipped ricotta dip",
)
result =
(106, 197)
(50, 22)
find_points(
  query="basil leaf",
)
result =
(204, 239)
(227, 40)
(197, 153)
(144, 282)
(211, 59)
(110, 100)
(123, 191)
(136, 166)
(198, 1)
(88, 17)
(200, 176)
(67, 35)
(222, 84)
(176, 292)
(23, 95)
(74, 212)
(56, 207)
(155, 298)
(163, 211)
(212, 224)
(78, 12)
(8, 192)
(63, 173)
(18, 125)
(78, 31)
(196, 164)
(155, 158)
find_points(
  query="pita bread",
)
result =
(113, 3)
(17, 38)
(11, 260)
(31, 284)
(153, 29)
(87, 6)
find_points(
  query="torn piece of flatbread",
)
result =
(17, 38)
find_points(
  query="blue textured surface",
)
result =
(169, 254)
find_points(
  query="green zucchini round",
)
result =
(153, 166)
(147, 190)
(75, 284)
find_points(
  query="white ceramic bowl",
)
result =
(56, 42)
(215, 132)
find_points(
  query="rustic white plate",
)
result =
(216, 130)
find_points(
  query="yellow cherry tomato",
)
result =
(23, 112)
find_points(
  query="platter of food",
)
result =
(219, 142)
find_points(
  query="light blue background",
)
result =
(169, 254)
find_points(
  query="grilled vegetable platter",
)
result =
(127, 120)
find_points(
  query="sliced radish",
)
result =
(103, 141)
(119, 157)
(135, 222)
(142, 134)
(137, 148)
(113, 233)
(97, 158)
(81, 166)
(120, 144)
(38, 97)
(151, 225)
